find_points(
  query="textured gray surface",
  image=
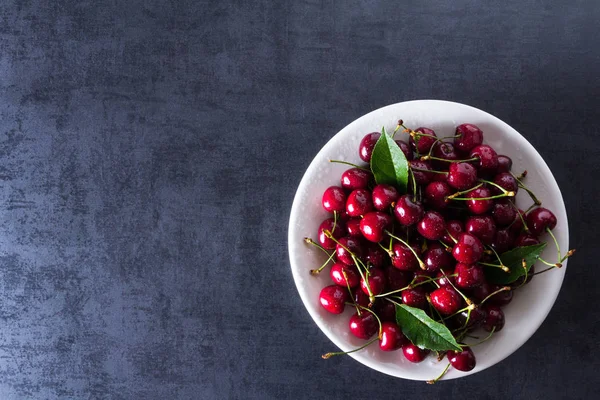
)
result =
(149, 153)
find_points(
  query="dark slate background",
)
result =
(149, 155)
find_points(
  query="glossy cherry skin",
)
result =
(420, 143)
(468, 276)
(469, 137)
(503, 241)
(360, 297)
(359, 203)
(446, 300)
(432, 226)
(461, 175)
(376, 279)
(385, 310)
(344, 275)
(345, 244)
(468, 249)
(506, 181)
(419, 169)
(356, 178)
(414, 297)
(444, 151)
(436, 257)
(405, 149)
(375, 255)
(504, 212)
(397, 279)
(494, 318)
(477, 206)
(539, 219)
(407, 211)
(517, 225)
(435, 195)
(384, 196)
(333, 298)
(365, 149)
(483, 227)
(334, 199)
(413, 353)
(444, 278)
(336, 229)
(487, 158)
(353, 227)
(474, 320)
(463, 360)
(453, 228)
(504, 164)
(525, 239)
(392, 337)
(403, 258)
(363, 326)
(374, 224)
(502, 298)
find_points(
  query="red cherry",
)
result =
(539, 219)
(353, 227)
(436, 194)
(337, 231)
(494, 318)
(365, 149)
(334, 199)
(414, 297)
(413, 353)
(351, 277)
(359, 203)
(376, 280)
(462, 175)
(392, 337)
(468, 276)
(479, 206)
(384, 196)
(504, 164)
(405, 149)
(374, 224)
(525, 239)
(436, 257)
(403, 258)
(446, 300)
(483, 227)
(397, 279)
(488, 159)
(462, 360)
(375, 255)
(333, 298)
(432, 226)
(468, 249)
(356, 178)
(363, 326)
(469, 137)
(419, 169)
(345, 244)
(385, 310)
(407, 211)
(453, 228)
(422, 143)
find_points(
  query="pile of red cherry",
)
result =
(428, 248)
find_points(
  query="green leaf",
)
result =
(388, 163)
(423, 331)
(513, 260)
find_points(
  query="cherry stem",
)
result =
(496, 185)
(428, 170)
(431, 307)
(502, 289)
(317, 271)
(524, 265)
(428, 157)
(501, 266)
(467, 300)
(433, 381)
(555, 265)
(482, 340)
(421, 263)
(498, 196)
(531, 207)
(520, 216)
(451, 237)
(467, 308)
(350, 164)
(310, 241)
(529, 192)
(341, 353)
(364, 277)
(412, 175)
(412, 285)
(555, 243)
(497, 256)
(463, 192)
(350, 291)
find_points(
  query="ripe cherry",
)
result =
(444, 278)
(462, 175)
(494, 318)
(422, 143)
(413, 353)
(385, 310)
(503, 241)
(472, 321)
(376, 279)
(506, 181)
(403, 258)
(468, 276)
(333, 298)
(477, 206)
(502, 298)
(453, 228)
(445, 151)
(525, 239)
(337, 230)
(436, 193)
(392, 337)
(348, 243)
(432, 226)
(334, 199)
(356, 178)
(363, 326)
(487, 158)
(397, 279)
(504, 164)
(419, 170)
(374, 224)
(468, 249)
(504, 212)
(446, 300)
(344, 275)
(375, 255)
(539, 219)
(407, 211)
(469, 137)
(436, 257)
(405, 149)
(483, 227)
(517, 225)
(360, 297)
(359, 203)
(384, 196)
(414, 297)
(365, 149)
(462, 360)
(353, 227)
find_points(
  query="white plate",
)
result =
(531, 304)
